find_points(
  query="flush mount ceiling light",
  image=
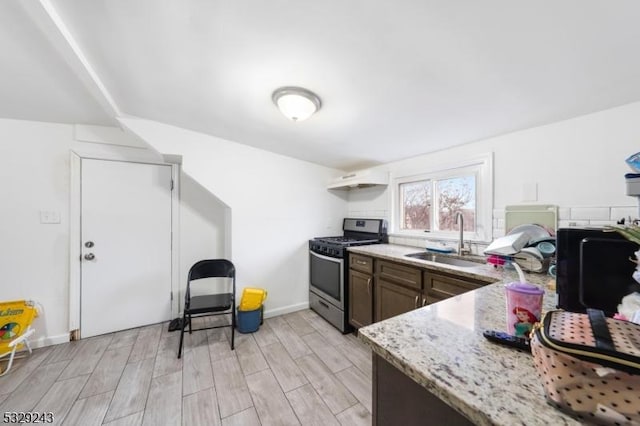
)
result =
(296, 103)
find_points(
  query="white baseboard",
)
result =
(64, 338)
(286, 310)
(49, 340)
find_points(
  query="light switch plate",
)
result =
(49, 216)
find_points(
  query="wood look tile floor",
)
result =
(295, 370)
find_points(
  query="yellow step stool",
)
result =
(252, 299)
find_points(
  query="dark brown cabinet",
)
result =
(360, 290)
(401, 274)
(381, 289)
(393, 299)
(439, 286)
(361, 263)
(398, 289)
(399, 400)
(360, 299)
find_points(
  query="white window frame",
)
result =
(482, 167)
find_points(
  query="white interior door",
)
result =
(126, 245)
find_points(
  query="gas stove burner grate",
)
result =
(346, 240)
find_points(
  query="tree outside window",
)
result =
(429, 200)
(415, 202)
(451, 195)
(456, 195)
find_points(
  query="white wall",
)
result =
(282, 201)
(34, 257)
(577, 164)
(277, 204)
(203, 231)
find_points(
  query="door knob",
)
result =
(89, 256)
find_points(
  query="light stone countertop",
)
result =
(483, 271)
(441, 347)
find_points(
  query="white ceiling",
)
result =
(396, 78)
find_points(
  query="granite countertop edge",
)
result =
(405, 343)
(477, 416)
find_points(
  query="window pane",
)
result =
(415, 205)
(453, 195)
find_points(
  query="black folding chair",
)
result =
(211, 303)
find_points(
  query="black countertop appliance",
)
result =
(593, 269)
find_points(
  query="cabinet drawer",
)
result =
(400, 274)
(361, 263)
(444, 286)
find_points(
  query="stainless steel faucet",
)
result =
(460, 222)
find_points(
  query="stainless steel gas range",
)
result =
(328, 283)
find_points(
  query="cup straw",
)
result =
(520, 273)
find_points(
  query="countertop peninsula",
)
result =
(441, 347)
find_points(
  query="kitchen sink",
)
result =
(447, 259)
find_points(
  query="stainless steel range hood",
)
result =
(359, 179)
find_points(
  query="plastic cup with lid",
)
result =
(524, 307)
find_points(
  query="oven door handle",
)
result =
(327, 258)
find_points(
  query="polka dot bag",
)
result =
(590, 366)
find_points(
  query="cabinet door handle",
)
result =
(369, 286)
(417, 297)
(424, 301)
